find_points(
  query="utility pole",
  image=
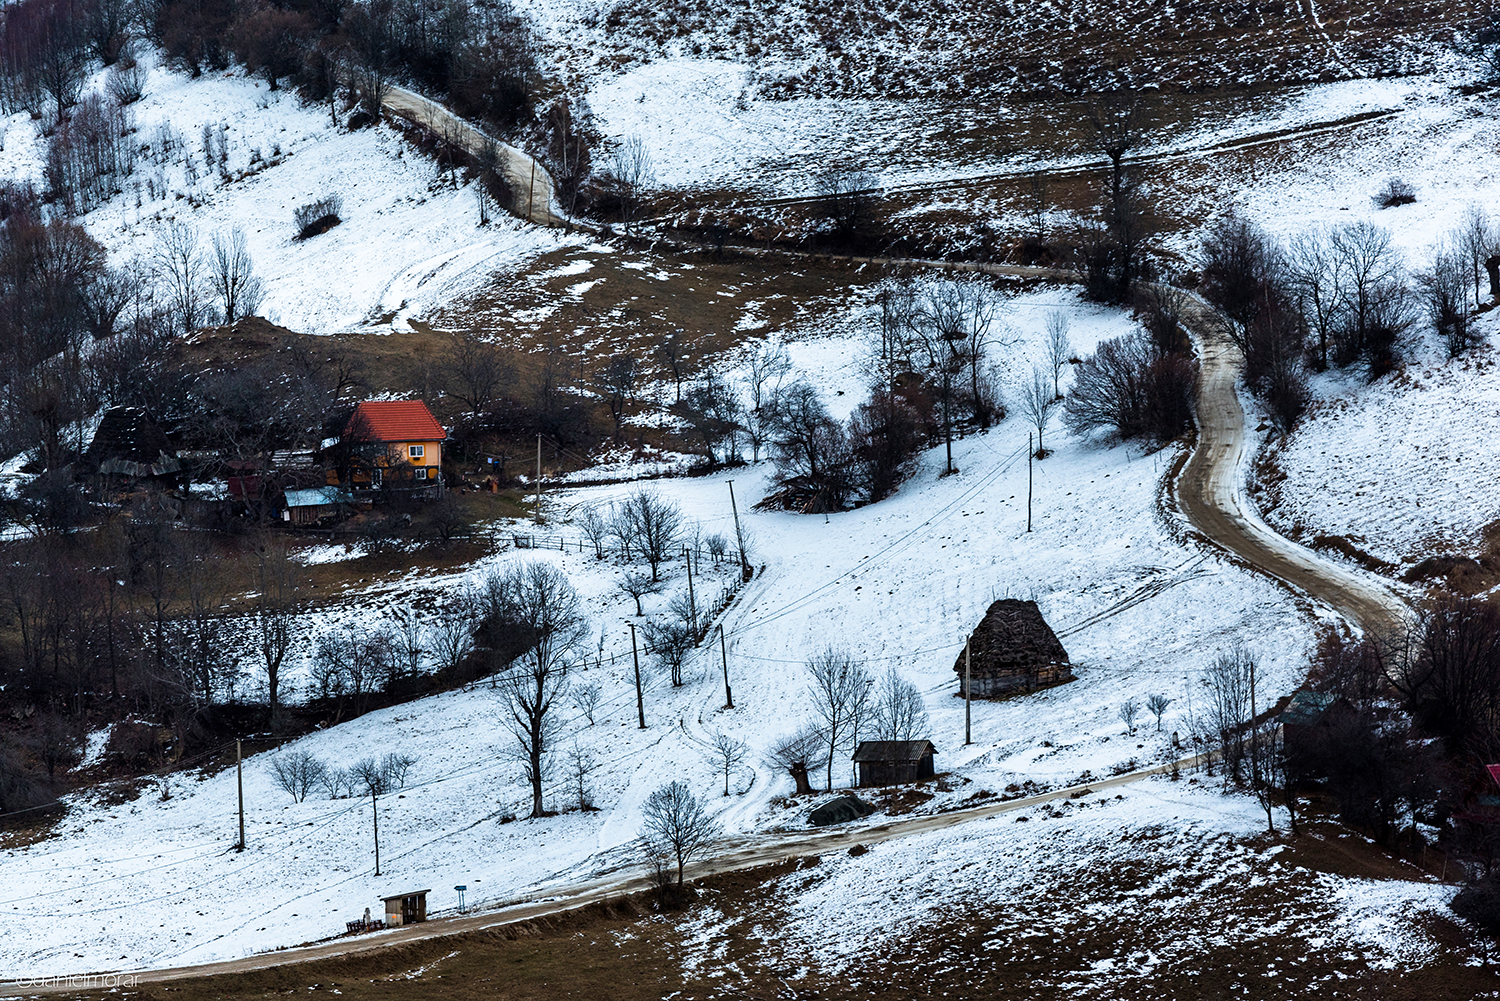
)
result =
(239, 781)
(692, 602)
(531, 195)
(724, 659)
(1029, 454)
(375, 812)
(968, 693)
(640, 699)
(739, 536)
(538, 479)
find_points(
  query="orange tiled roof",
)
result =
(396, 420)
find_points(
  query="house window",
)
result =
(416, 451)
(422, 473)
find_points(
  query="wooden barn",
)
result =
(1013, 650)
(130, 449)
(889, 762)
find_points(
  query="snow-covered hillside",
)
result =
(900, 583)
(406, 243)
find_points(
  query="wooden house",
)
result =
(405, 908)
(129, 449)
(394, 443)
(1013, 650)
(889, 762)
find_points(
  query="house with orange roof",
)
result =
(393, 443)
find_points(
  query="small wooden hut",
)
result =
(888, 762)
(129, 449)
(1013, 650)
(405, 908)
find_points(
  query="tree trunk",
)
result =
(799, 776)
(1492, 265)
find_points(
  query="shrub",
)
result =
(1129, 388)
(1396, 192)
(1479, 904)
(317, 217)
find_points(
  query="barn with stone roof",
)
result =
(1013, 651)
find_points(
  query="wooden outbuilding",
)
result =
(1013, 650)
(406, 908)
(888, 762)
(310, 506)
(129, 447)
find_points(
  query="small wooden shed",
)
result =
(887, 762)
(406, 908)
(1013, 650)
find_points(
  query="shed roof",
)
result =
(893, 750)
(317, 496)
(403, 896)
(1306, 707)
(394, 420)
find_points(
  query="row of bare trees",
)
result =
(1341, 296)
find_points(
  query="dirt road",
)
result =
(527, 178)
(739, 853)
(1210, 491)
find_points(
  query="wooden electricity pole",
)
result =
(739, 537)
(538, 479)
(1029, 454)
(239, 781)
(692, 601)
(968, 693)
(724, 659)
(375, 812)
(640, 699)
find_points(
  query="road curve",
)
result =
(1210, 494)
(527, 178)
(741, 853)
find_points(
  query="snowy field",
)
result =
(407, 243)
(899, 583)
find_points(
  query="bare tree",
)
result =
(596, 528)
(275, 614)
(581, 764)
(1313, 273)
(671, 641)
(1128, 712)
(725, 753)
(179, 267)
(297, 773)
(1036, 399)
(535, 601)
(1445, 293)
(1372, 294)
(1035, 197)
(1059, 348)
(653, 525)
(900, 712)
(633, 175)
(848, 200)
(1231, 679)
(450, 631)
(1479, 242)
(1157, 706)
(478, 370)
(673, 350)
(637, 586)
(616, 381)
(799, 753)
(586, 698)
(409, 639)
(370, 775)
(840, 689)
(231, 276)
(950, 323)
(395, 766)
(768, 365)
(676, 827)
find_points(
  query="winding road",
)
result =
(1210, 494)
